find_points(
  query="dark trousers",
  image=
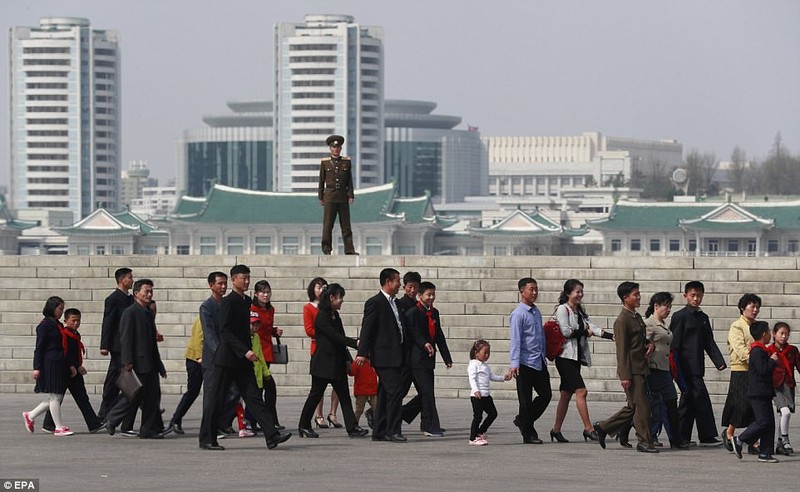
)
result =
(424, 402)
(77, 388)
(271, 398)
(530, 409)
(318, 387)
(245, 381)
(210, 395)
(695, 405)
(112, 395)
(481, 405)
(150, 400)
(331, 210)
(763, 427)
(637, 409)
(388, 415)
(194, 381)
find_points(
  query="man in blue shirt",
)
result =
(528, 365)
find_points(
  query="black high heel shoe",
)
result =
(590, 435)
(303, 432)
(557, 436)
(320, 422)
(333, 422)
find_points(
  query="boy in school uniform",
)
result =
(411, 281)
(691, 336)
(760, 392)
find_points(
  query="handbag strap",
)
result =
(278, 340)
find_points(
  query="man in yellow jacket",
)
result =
(194, 376)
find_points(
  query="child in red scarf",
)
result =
(760, 392)
(783, 379)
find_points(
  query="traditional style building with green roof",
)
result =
(10, 229)
(235, 221)
(104, 233)
(701, 229)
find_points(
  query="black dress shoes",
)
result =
(531, 440)
(379, 438)
(370, 417)
(601, 435)
(111, 429)
(681, 444)
(304, 432)
(212, 447)
(177, 428)
(357, 432)
(278, 438)
(643, 448)
(396, 438)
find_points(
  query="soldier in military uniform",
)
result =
(336, 194)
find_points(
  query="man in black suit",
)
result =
(381, 340)
(115, 304)
(139, 353)
(425, 335)
(234, 362)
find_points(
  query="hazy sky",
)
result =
(711, 74)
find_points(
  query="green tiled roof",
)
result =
(746, 216)
(103, 222)
(224, 204)
(521, 224)
(9, 221)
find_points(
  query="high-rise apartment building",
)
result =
(328, 80)
(65, 116)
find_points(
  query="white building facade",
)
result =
(329, 79)
(65, 116)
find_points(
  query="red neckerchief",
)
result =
(69, 333)
(759, 345)
(431, 322)
(782, 356)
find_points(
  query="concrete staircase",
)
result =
(475, 296)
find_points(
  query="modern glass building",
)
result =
(425, 153)
(328, 80)
(65, 116)
(234, 150)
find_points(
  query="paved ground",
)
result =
(334, 462)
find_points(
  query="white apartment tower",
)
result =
(65, 116)
(328, 80)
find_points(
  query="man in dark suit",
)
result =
(633, 350)
(234, 363)
(692, 335)
(335, 193)
(381, 341)
(115, 304)
(139, 353)
(425, 335)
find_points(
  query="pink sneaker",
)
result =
(28, 422)
(246, 433)
(478, 442)
(63, 431)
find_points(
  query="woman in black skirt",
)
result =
(50, 366)
(577, 328)
(737, 411)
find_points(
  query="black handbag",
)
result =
(129, 384)
(280, 352)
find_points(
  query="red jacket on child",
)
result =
(365, 380)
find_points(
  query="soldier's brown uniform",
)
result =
(336, 191)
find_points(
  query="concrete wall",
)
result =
(474, 294)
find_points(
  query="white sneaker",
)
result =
(478, 442)
(483, 436)
(63, 431)
(246, 433)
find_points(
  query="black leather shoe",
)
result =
(212, 447)
(642, 448)
(681, 444)
(165, 432)
(178, 429)
(304, 432)
(589, 435)
(557, 436)
(152, 436)
(357, 432)
(278, 438)
(277, 426)
(601, 435)
(111, 429)
(379, 438)
(396, 438)
(370, 417)
(531, 440)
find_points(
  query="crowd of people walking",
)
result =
(233, 347)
